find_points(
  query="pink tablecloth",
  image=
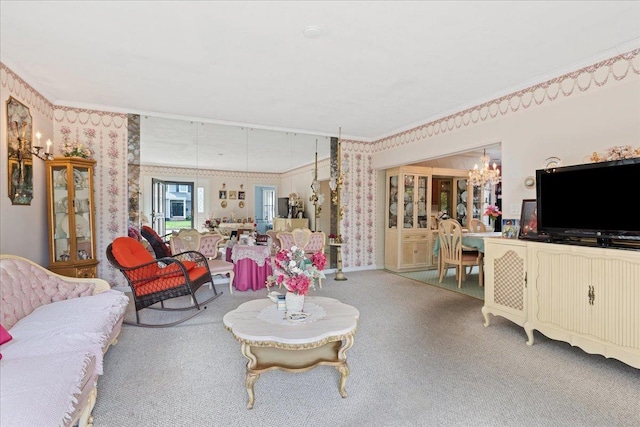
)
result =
(251, 265)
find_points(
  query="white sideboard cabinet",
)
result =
(586, 296)
(505, 271)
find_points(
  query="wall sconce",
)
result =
(36, 150)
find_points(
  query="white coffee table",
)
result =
(267, 339)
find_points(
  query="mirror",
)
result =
(234, 161)
(19, 157)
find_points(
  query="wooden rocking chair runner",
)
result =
(157, 280)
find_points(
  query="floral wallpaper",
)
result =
(358, 198)
(105, 136)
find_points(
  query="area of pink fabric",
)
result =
(23, 288)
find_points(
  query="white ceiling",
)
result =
(376, 68)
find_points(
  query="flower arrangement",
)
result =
(493, 211)
(75, 149)
(296, 272)
(212, 224)
(618, 152)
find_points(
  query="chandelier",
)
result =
(486, 175)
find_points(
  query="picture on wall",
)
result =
(222, 194)
(241, 195)
(529, 219)
(233, 195)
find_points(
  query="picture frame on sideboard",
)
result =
(529, 219)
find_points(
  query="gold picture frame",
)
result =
(233, 195)
(19, 157)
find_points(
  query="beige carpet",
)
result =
(421, 357)
(470, 286)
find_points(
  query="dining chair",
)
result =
(452, 255)
(477, 226)
(208, 244)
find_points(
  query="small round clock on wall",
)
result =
(530, 182)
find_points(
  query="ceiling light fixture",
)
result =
(312, 31)
(480, 177)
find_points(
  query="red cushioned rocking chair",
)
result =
(157, 280)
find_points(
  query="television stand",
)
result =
(586, 296)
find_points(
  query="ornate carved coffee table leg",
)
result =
(251, 377)
(344, 373)
(344, 368)
(249, 380)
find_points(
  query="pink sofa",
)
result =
(60, 327)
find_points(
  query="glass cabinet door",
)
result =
(393, 202)
(409, 190)
(61, 220)
(82, 214)
(421, 203)
(462, 201)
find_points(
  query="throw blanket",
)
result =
(33, 393)
(87, 324)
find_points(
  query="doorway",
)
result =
(265, 207)
(171, 205)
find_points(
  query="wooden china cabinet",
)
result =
(71, 216)
(414, 195)
(407, 240)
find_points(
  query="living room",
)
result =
(587, 105)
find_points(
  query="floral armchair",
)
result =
(207, 244)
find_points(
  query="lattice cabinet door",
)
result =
(505, 269)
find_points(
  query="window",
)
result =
(268, 204)
(177, 208)
(183, 188)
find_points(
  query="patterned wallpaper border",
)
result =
(16, 85)
(206, 173)
(596, 75)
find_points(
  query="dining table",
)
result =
(251, 266)
(469, 240)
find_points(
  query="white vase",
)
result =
(294, 302)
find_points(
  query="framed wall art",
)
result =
(241, 195)
(529, 219)
(233, 195)
(222, 194)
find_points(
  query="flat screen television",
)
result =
(283, 207)
(596, 200)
